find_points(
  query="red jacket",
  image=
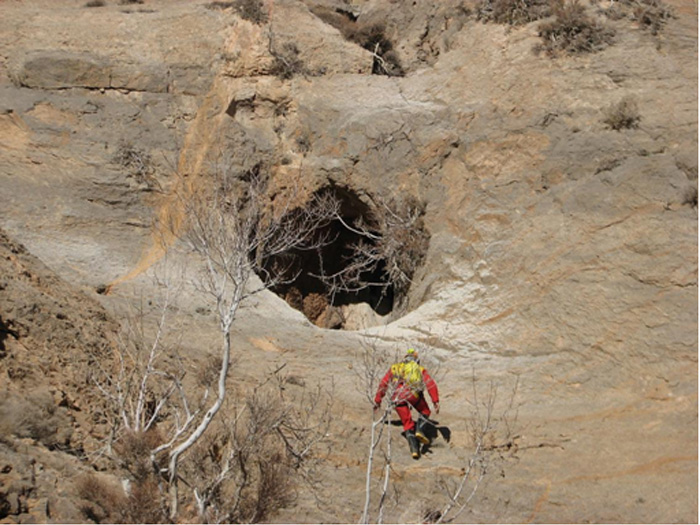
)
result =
(405, 392)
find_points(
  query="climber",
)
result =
(408, 379)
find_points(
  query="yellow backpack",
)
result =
(410, 374)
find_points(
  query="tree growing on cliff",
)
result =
(234, 225)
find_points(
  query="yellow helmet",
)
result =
(411, 355)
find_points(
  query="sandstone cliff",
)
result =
(561, 251)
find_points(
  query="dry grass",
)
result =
(513, 12)
(107, 502)
(37, 417)
(251, 10)
(573, 31)
(137, 163)
(287, 62)
(623, 115)
(651, 15)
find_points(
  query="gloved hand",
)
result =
(376, 406)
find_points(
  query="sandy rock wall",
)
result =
(561, 251)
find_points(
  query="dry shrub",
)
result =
(372, 37)
(572, 31)
(208, 372)
(36, 417)
(246, 469)
(651, 15)
(391, 246)
(513, 12)
(134, 449)
(287, 62)
(251, 10)
(402, 241)
(623, 115)
(137, 163)
(107, 502)
(96, 3)
(274, 490)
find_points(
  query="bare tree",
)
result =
(484, 427)
(235, 226)
(392, 242)
(372, 363)
(244, 469)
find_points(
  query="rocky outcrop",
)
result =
(50, 416)
(560, 250)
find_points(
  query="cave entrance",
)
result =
(307, 274)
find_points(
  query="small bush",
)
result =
(108, 503)
(137, 163)
(287, 62)
(251, 10)
(651, 15)
(133, 449)
(623, 115)
(36, 417)
(96, 3)
(131, 2)
(513, 12)
(573, 31)
(371, 37)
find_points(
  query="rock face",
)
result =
(50, 336)
(561, 251)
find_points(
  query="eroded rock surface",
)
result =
(561, 251)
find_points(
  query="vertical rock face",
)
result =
(561, 250)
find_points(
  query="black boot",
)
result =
(425, 431)
(412, 443)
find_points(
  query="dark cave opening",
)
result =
(306, 273)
